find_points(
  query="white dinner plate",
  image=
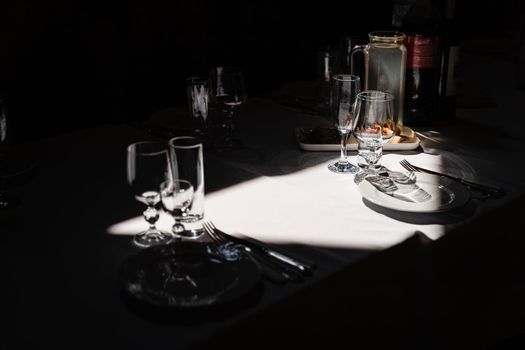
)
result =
(446, 194)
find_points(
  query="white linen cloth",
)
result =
(293, 198)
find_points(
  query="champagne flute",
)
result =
(177, 196)
(147, 168)
(228, 92)
(343, 91)
(375, 125)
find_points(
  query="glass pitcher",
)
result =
(385, 65)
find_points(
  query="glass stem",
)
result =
(374, 155)
(344, 142)
(151, 215)
(229, 121)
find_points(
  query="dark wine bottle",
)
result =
(449, 71)
(422, 25)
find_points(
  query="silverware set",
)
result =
(489, 191)
(275, 266)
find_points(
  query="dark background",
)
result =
(66, 65)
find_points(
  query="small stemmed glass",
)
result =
(177, 196)
(147, 168)
(343, 91)
(374, 111)
(227, 93)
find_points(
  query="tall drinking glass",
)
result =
(147, 168)
(228, 92)
(343, 91)
(375, 125)
(187, 164)
(197, 88)
(177, 196)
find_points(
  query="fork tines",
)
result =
(405, 164)
(210, 230)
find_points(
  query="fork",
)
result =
(301, 265)
(289, 265)
(488, 190)
(269, 269)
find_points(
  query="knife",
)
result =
(272, 269)
(267, 270)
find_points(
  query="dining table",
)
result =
(383, 277)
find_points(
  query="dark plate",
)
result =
(187, 275)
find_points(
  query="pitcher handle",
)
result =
(355, 49)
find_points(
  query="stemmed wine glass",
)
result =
(177, 196)
(147, 168)
(375, 125)
(343, 91)
(227, 93)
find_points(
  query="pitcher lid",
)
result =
(386, 36)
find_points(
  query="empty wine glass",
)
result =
(374, 126)
(147, 168)
(177, 197)
(343, 91)
(228, 92)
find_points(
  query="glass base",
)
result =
(343, 167)
(152, 238)
(191, 233)
(181, 231)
